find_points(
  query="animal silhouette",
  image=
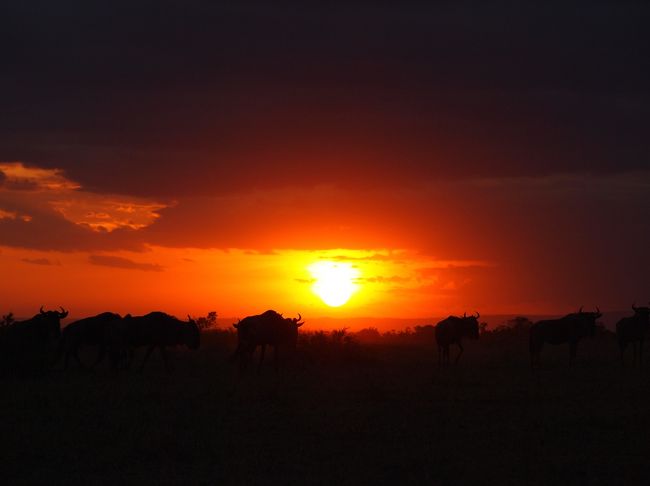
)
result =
(633, 330)
(28, 341)
(451, 331)
(91, 331)
(154, 330)
(269, 328)
(568, 329)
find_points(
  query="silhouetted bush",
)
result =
(335, 346)
(516, 328)
(369, 335)
(7, 319)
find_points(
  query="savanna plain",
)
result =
(343, 412)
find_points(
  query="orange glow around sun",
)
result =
(334, 282)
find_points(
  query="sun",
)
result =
(335, 282)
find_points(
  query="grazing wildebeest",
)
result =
(269, 328)
(568, 329)
(451, 331)
(91, 331)
(157, 330)
(633, 330)
(28, 341)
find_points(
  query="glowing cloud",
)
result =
(37, 188)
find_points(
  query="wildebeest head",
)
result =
(192, 334)
(52, 320)
(294, 324)
(643, 312)
(470, 325)
(587, 321)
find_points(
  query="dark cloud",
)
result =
(215, 98)
(125, 263)
(50, 231)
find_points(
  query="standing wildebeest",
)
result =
(269, 328)
(633, 330)
(156, 330)
(91, 331)
(451, 331)
(568, 329)
(28, 341)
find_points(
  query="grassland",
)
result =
(374, 414)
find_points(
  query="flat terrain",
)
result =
(375, 414)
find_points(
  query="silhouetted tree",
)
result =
(207, 322)
(520, 324)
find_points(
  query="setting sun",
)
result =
(334, 282)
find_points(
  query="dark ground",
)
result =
(378, 414)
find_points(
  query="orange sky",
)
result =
(88, 272)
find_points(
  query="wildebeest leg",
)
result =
(573, 348)
(163, 353)
(460, 351)
(66, 359)
(622, 345)
(100, 356)
(146, 356)
(259, 365)
(75, 355)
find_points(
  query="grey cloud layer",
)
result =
(238, 96)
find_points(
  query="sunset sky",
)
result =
(448, 157)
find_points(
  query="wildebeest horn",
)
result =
(42, 311)
(634, 307)
(63, 314)
(598, 311)
(299, 317)
(464, 314)
(477, 315)
(580, 310)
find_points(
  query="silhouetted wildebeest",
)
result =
(269, 328)
(568, 329)
(91, 331)
(633, 330)
(29, 340)
(451, 331)
(155, 330)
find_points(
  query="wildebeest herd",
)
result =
(113, 335)
(117, 337)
